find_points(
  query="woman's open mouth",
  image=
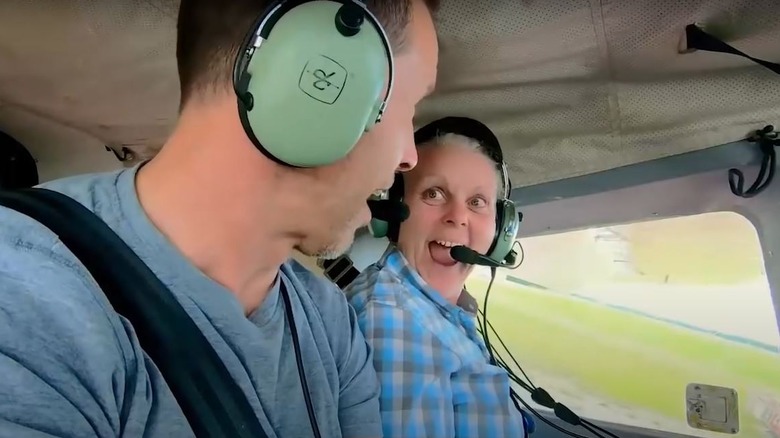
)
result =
(440, 252)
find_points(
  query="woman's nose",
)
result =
(456, 215)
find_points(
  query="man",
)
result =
(217, 221)
(412, 306)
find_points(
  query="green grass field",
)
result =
(715, 248)
(624, 358)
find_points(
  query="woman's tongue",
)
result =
(441, 254)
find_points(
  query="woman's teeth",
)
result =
(448, 244)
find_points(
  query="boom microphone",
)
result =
(468, 256)
(388, 211)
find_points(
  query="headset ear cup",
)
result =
(378, 228)
(396, 193)
(497, 231)
(393, 231)
(507, 225)
(376, 115)
(315, 91)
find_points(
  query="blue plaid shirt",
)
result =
(432, 364)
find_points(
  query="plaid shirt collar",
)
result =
(396, 262)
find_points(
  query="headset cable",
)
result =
(538, 395)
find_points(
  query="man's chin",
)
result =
(330, 251)
(332, 246)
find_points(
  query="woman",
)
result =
(432, 364)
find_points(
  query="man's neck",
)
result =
(214, 207)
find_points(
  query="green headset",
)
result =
(309, 79)
(508, 219)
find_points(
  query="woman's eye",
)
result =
(478, 202)
(432, 194)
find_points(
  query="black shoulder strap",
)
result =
(340, 271)
(210, 398)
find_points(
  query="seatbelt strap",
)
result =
(698, 39)
(340, 271)
(212, 401)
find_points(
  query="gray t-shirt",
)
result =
(72, 367)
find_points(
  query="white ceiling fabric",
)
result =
(570, 86)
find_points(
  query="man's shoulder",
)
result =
(33, 256)
(90, 189)
(61, 344)
(42, 283)
(33, 259)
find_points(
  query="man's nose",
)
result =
(409, 156)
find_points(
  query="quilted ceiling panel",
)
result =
(570, 86)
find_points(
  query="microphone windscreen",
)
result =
(464, 254)
(388, 211)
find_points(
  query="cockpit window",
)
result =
(615, 322)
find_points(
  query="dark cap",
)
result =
(466, 127)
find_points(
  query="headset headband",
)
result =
(470, 128)
(262, 26)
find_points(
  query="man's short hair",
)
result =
(210, 33)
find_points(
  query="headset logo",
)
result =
(323, 79)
